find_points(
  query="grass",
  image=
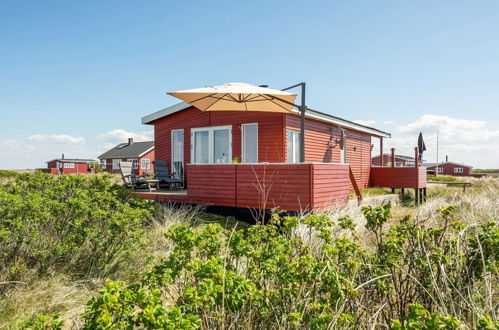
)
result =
(61, 293)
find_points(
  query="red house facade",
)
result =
(141, 154)
(251, 159)
(451, 168)
(69, 166)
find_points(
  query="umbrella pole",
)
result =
(303, 108)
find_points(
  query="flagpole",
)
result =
(436, 170)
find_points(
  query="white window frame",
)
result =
(296, 143)
(145, 163)
(115, 163)
(458, 170)
(211, 146)
(183, 147)
(440, 170)
(343, 149)
(242, 141)
(69, 165)
(103, 164)
(135, 162)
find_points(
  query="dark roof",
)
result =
(311, 113)
(125, 150)
(435, 164)
(73, 160)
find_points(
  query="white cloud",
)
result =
(463, 140)
(388, 122)
(57, 139)
(120, 135)
(365, 122)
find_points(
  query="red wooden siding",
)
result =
(448, 169)
(398, 177)
(270, 127)
(321, 146)
(331, 185)
(292, 187)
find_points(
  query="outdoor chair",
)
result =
(164, 176)
(130, 180)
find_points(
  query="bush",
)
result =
(83, 224)
(308, 273)
(443, 178)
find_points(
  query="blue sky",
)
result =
(77, 76)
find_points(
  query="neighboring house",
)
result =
(451, 168)
(251, 159)
(141, 154)
(400, 160)
(69, 166)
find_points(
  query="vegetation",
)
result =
(431, 267)
(443, 178)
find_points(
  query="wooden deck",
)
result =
(290, 187)
(398, 177)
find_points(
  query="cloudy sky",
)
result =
(76, 77)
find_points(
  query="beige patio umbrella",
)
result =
(237, 97)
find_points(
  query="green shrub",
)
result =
(81, 223)
(309, 273)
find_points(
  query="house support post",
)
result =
(416, 157)
(393, 157)
(302, 112)
(381, 151)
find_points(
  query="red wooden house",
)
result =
(451, 168)
(141, 154)
(69, 166)
(251, 159)
(400, 160)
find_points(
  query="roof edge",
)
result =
(311, 113)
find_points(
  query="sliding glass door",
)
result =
(178, 153)
(211, 145)
(249, 143)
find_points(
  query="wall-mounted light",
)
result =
(354, 148)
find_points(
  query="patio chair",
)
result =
(164, 176)
(130, 180)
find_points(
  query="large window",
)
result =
(116, 164)
(294, 140)
(211, 145)
(135, 162)
(145, 163)
(103, 164)
(458, 170)
(69, 165)
(250, 143)
(440, 170)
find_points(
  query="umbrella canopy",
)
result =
(421, 146)
(237, 97)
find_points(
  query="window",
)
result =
(294, 140)
(145, 163)
(69, 165)
(116, 164)
(211, 145)
(103, 163)
(250, 143)
(458, 170)
(135, 162)
(343, 151)
(399, 164)
(440, 170)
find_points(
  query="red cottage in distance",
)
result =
(453, 169)
(247, 159)
(69, 166)
(141, 154)
(400, 160)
